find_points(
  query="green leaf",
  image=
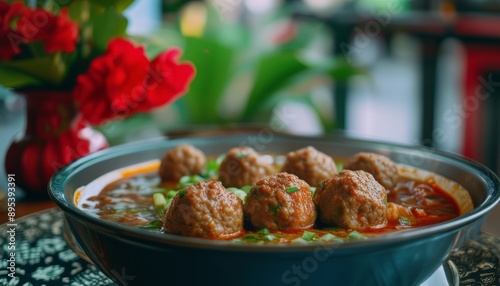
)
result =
(118, 5)
(50, 70)
(273, 73)
(342, 70)
(13, 78)
(214, 68)
(107, 24)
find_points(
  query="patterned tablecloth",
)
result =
(42, 256)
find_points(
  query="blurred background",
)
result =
(415, 72)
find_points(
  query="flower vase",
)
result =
(54, 137)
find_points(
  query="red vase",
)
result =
(54, 137)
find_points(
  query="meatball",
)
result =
(310, 165)
(280, 202)
(383, 169)
(352, 199)
(181, 160)
(243, 166)
(206, 210)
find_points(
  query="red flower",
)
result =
(10, 39)
(122, 82)
(20, 25)
(113, 83)
(166, 79)
(58, 33)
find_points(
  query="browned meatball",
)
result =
(182, 160)
(243, 166)
(280, 202)
(383, 169)
(351, 199)
(206, 210)
(310, 165)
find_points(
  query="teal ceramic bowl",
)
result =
(131, 256)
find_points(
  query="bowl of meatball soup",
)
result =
(272, 210)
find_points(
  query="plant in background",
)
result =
(82, 46)
(245, 70)
(78, 71)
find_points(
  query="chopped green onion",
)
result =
(185, 181)
(299, 240)
(322, 184)
(313, 190)
(239, 193)
(159, 203)
(334, 228)
(182, 193)
(263, 231)
(274, 208)
(211, 170)
(404, 220)
(330, 237)
(340, 167)
(309, 236)
(355, 235)
(291, 189)
(254, 237)
(246, 188)
(153, 225)
(170, 194)
(241, 155)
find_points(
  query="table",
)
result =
(42, 255)
(26, 208)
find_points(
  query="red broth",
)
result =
(129, 201)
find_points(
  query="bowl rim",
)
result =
(56, 191)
